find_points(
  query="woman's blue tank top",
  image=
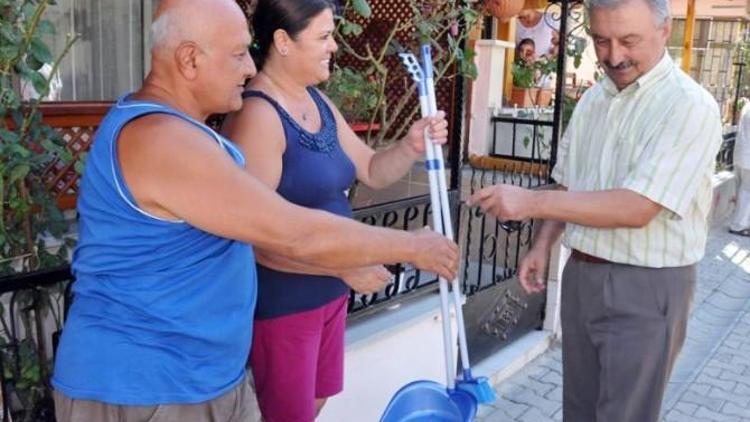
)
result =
(162, 310)
(316, 173)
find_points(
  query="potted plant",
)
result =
(524, 91)
(530, 83)
(355, 96)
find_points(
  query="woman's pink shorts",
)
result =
(298, 358)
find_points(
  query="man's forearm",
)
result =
(339, 243)
(548, 233)
(603, 209)
(291, 265)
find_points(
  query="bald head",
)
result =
(198, 21)
(199, 56)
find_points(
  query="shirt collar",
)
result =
(662, 68)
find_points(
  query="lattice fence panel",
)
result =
(62, 178)
(75, 123)
(386, 14)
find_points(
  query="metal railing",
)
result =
(408, 282)
(522, 139)
(32, 311)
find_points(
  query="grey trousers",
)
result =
(623, 327)
(238, 405)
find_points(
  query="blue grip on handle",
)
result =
(427, 61)
(432, 165)
(422, 88)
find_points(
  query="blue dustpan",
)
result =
(429, 401)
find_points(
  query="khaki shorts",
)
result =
(238, 405)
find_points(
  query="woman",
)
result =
(297, 142)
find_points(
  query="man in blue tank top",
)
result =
(161, 321)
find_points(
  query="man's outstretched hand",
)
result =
(435, 253)
(505, 202)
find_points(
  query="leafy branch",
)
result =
(444, 24)
(27, 145)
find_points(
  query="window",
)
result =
(111, 56)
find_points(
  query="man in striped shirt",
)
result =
(635, 167)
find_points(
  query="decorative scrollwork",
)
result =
(504, 316)
(576, 16)
(407, 281)
(492, 258)
(552, 15)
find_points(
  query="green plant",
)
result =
(574, 48)
(741, 102)
(523, 74)
(29, 211)
(353, 93)
(529, 75)
(444, 24)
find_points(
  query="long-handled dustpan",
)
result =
(428, 400)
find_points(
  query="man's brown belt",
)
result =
(582, 256)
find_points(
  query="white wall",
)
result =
(383, 354)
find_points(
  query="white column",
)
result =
(486, 92)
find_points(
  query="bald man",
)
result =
(161, 321)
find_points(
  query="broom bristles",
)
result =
(479, 388)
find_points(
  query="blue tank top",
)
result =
(316, 173)
(162, 311)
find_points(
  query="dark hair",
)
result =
(292, 16)
(526, 41)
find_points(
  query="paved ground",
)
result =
(711, 381)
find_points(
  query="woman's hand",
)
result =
(437, 130)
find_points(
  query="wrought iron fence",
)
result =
(32, 310)
(522, 139)
(408, 282)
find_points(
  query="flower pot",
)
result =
(523, 97)
(503, 10)
(534, 4)
(544, 97)
(362, 128)
(531, 97)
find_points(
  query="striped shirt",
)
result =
(658, 137)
